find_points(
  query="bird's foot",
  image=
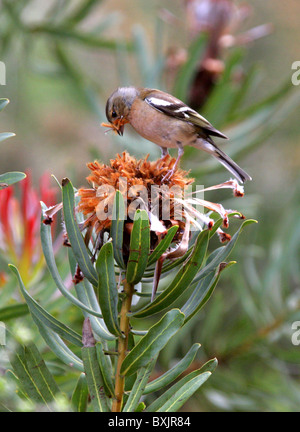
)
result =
(168, 175)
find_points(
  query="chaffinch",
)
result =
(166, 121)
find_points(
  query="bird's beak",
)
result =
(120, 129)
(119, 125)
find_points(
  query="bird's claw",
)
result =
(168, 175)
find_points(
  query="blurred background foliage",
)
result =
(63, 59)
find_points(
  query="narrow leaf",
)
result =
(10, 178)
(182, 279)
(74, 234)
(106, 370)
(138, 387)
(46, 241)
(80, 395)
(202, 293)
(26, 381)
(142, 53)
(13, 311)
(88, 39)
(139, 247)
(3, 103)
(34, 376)
(186, 73)
(107, 288)
(163, 245)
(94, 379)
(86, 294)
(6, 135)
(57, 345)
(179, 397)
(82, 11)
(41, 373)
(223, 254)
(117, 227)
(209, 366)
(152, 343)
(141, 407)
(173, 373)
(172, 399)
(42, 315)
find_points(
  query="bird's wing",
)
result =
(175, 108)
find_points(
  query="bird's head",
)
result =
(118, 107)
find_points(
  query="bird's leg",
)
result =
(164, 152)
(180, 154)
(171, 172)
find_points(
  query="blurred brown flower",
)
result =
(220, 20)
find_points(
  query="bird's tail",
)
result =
(238, 172)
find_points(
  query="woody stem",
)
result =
(122, 346)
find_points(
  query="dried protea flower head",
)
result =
(140, 183)
(142, 187)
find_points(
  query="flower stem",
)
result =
(122, 346)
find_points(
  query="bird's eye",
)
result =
(114, 114)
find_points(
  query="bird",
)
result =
(168, 122)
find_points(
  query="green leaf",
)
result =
(13, 311)
(139, 247)
(106, 370)
(143, 54)
(173, 373)
(153, 342)
(224, 91)
(10, 178)
(138, 387)
(107, 288)
(176, 263)
(223, 253)
(205, 287)
(12, 377)
(46, 241)
(86, 294)
(172, 399)
(80, 395)
(62, 33)
(177, 398)
(34, 376)
(187, 71)
(141, 407)
(6, 135)
(255, 125)
(209, 366)
(40, 372)
(245, 86)
(3, 103)
(81, 12)
(163, 245)
(208, 277)
(182, 279)
(271, 100)
(117, 227)
(202, 292)
(74, 234)
(94, 379)
(59, 348)
(47, 319)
